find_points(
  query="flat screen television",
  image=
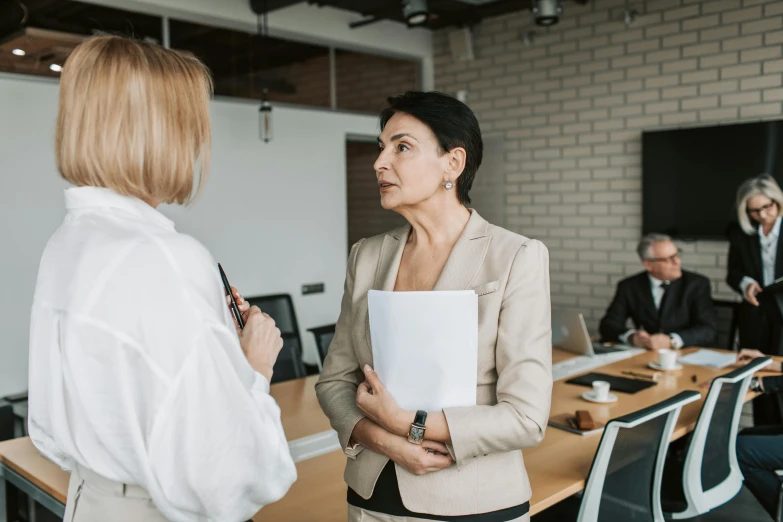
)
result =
(690, 176)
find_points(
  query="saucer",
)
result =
(655, 366)
(590, 396)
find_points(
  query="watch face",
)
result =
(416, 435)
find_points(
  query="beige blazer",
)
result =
(510, 273)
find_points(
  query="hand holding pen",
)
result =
(260, 339)
(242, 306)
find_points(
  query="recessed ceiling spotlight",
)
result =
(415, 12)
(18, 52)
(56, 67)
(547, 12)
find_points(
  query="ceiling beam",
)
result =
(259, 7)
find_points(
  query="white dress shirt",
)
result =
(769, 251)
(136, 371)
(657, 287)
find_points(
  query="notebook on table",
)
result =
(618, 384)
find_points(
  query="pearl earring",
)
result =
(448, 185)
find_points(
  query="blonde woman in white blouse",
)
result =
(140, 384)
(756, 261)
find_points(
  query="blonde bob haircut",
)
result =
(764, 185)
(134, 117)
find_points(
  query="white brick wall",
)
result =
(572, 107)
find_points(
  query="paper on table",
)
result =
(425, 347)
(709, 358)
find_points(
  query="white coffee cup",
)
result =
(667, 359)
(601, 390)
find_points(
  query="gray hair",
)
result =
(644, 246)
(764, 185)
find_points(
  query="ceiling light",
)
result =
(18, 52)
(56, 67)
(415, 12)
(547, 12)
(265, 118)
(630, 14)
(629, 17)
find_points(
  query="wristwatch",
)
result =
(755, 384)
(416, 433)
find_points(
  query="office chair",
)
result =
(728, 324)
(779, 511)
(624, 482)
(323, 338)
(280, 307)
(7, 421)
(18, 402)
(711, 475)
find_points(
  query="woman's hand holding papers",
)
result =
(428, 457)
(378, 404)
(387, 433)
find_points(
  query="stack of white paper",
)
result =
(425, 347)
(709, 358)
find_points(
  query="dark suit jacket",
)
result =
(687, 310)
(773, 384)
(745, 260)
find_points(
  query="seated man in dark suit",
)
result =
(669, 307)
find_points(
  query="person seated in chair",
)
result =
(669, 307)
(760, 449)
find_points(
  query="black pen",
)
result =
(234, 307)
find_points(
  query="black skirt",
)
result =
(386, 499)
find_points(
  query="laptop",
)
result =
(570, 333)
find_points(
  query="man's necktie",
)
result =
(665, 287)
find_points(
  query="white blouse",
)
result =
(136, 371)
(769, 251)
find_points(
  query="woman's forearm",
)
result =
(437, 427)
(372, 436)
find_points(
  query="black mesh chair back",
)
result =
(715, 466)
(18, 402)
(280, 307)
(728, 325)
(625, 479)
(323, 338)
(7, 420)
(711, 475)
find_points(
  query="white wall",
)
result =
(273, 214)
(301, 22)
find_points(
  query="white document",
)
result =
(709, 358)
(425, 347)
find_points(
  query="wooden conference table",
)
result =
(557, 467)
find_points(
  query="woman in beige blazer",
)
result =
(469, 465)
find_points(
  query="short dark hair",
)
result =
(453, 124)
